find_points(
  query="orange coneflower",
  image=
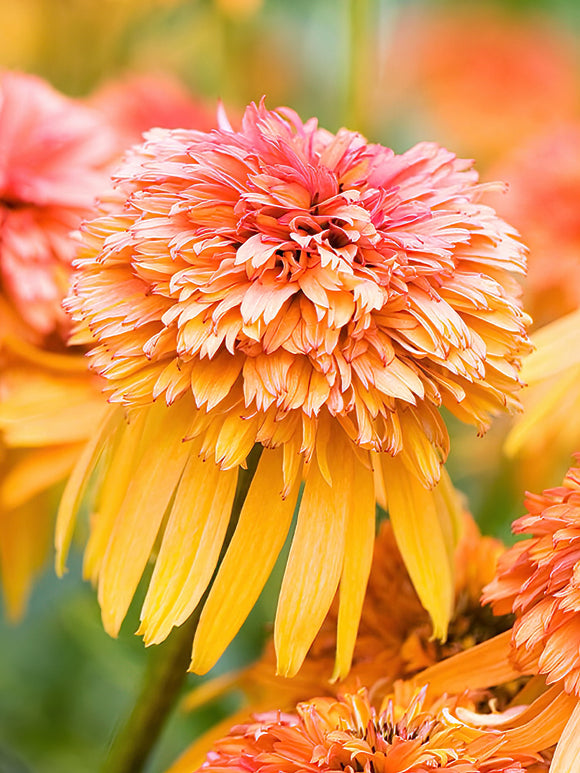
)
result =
(537, 580)
(304, 293)
(54, 154)
(348, 733)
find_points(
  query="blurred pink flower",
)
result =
(53, 157)
(135, 103)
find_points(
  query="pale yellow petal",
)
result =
(360, 538)
(557, 349)
(259, 536)
(423, 532)
(124, 460)
(190, 548)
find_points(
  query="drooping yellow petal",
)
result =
(316, 557)
(260, 534)
(544, 729)
(567, 756)
(360, 538)
(191, 545)
(77, 483)
(24, 540)
(125, 458)
(142, 511)
(424, 534)
(35, 471)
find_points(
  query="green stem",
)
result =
(167, 669)
(359, 55)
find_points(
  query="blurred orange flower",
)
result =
(483, 77)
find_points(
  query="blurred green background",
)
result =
(397, 71)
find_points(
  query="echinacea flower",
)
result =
(394, 641)
(537, 581)
(348, 733)
(54, 153)
(314, 297)
(54, 157)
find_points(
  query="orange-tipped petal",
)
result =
(259, 536)
(482, 666)
(567, 756)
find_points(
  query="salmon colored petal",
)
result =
(360, 540)
(190, 548)
(482, 666)
(545, 729)
(259, 536)
(121, 467)
(424, 535)
(319, 541)
(567, 756)
(77, 483)
(142, 511)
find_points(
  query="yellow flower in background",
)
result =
(394, 641)
(548, 430)
(313, 297)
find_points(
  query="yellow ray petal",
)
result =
(124, 460)
(142, 511)
(36, 471)
(567, 756)
(259, 536)
(556, 349)
(316, 557)
(424, 534)
(77, 483)
(360, 538)
(190, 548)
(482, 666)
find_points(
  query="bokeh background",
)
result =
(496, 82)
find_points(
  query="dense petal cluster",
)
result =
(53, 164)
(328, 734)
(281, 274)
(537, 579)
